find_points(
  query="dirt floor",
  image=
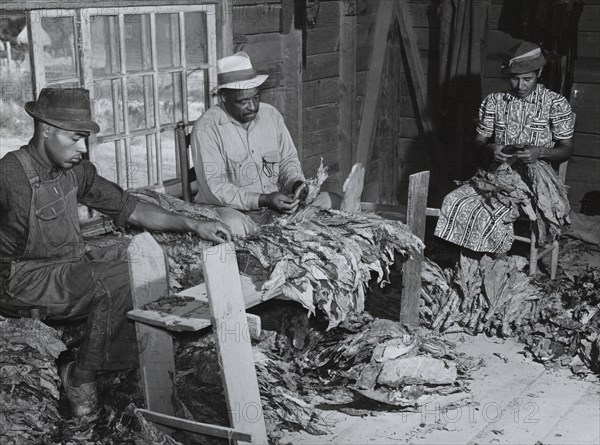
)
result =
(513, 400)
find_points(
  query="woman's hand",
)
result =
(530, 154)
(499, 155)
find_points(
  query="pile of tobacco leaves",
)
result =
(323, 263)
(558, 320)
(33, 408)
(534, 190)
(306, 372)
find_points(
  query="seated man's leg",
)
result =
(238, 222)
(96, 290)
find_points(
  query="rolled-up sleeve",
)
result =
(103, 195)
(211, 170)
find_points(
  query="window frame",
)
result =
(86, 78)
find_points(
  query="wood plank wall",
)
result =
(398, 150)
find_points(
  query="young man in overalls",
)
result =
(45, 265)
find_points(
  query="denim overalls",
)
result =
(67, 279)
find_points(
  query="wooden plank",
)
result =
(193, 320)
(195, 427)
(586, 70)
(584, 170)
(319, 118)
(590, 18)
(236, 362)
(36, 55)
(329, 15)
(585, 144)
(148, 278)
(585, 101)
(347, 92)
(256, 19)
(409, 128)
(411, 270)
(588, 44)
(321, 91)
(321, 66)
(292, 81)
(327, 137)
(370, 112)
(322, 40)
(353, 188)
(225, 24)
(263, 49)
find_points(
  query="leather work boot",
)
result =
(84, 398)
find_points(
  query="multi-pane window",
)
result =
(147, 68)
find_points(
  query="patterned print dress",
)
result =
(539, 119)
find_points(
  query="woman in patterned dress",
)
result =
(526, 128)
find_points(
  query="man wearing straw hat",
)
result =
(46, 269)
(245, 160)
(525, 129)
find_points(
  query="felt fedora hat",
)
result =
(65, 108)
(236, 73)
(524, 58)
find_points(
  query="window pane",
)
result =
(169, 159)
(138, 162)
(105, 160)
(167, 40)
(140, 102)
(104, 106)
(58, 39)
(196, 90)
(106, 58)
(196, 42)
(165, 98)
(137, 42)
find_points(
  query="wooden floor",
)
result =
(513, 401)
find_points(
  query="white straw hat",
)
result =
(236, 73)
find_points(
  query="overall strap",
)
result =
(26, 161)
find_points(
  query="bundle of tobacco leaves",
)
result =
(362, 365)
(491, 296)
(533, 189)
(326, 262)
(565, 329)
(29, 383)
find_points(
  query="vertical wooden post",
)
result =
(226, 302)
(226, 26)
(411, 272)
(347, 100)
(148, 277)
(292, 77)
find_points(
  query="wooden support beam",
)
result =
(148, 278)
(347, 88)
(226, 302)
(368, 124)
(291, 48)
(411, 272)
(225, 24)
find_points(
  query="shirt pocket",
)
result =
(270, 166)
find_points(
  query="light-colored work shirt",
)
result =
(234, 166)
